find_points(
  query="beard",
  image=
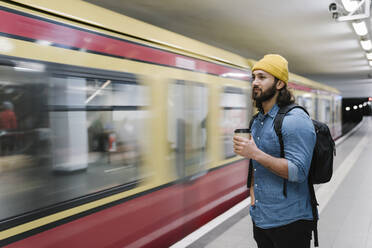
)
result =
(261, 96)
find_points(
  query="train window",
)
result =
(325, 111)
(96, 92)
(299, 100)
(74, 136)
(307, 102)
(187, 127)
(337, 109)
(234, 115)
(337, 114)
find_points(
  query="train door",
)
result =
(187, 137)
(187, 128)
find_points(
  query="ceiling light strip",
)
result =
(360, 28)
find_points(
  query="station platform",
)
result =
(345, 203)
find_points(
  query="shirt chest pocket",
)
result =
(270, 142)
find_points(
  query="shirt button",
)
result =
(258, 138)
(256, 201)
(255, 169)
(261, 123)
(255, 185)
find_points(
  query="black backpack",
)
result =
(321, 168)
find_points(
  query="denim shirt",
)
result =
(272, 208)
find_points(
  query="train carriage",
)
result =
(124, 129)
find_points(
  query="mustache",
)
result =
(256, 88)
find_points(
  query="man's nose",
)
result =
(255, 82)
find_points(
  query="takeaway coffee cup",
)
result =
(243, 132)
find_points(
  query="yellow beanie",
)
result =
(274, 64)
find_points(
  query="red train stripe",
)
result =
(68, 36)
(300, 87)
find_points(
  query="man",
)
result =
(279, 221)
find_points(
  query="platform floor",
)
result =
(345, 203)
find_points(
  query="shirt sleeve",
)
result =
(299, 139)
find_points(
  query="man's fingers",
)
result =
(238, 146)
(242, 144)
(237, 151)
(239, 139)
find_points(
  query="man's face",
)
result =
(263, 86)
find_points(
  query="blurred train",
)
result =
(123, 133)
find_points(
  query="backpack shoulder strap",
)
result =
(278, 122)
(314, 205)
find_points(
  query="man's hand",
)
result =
(245, 147)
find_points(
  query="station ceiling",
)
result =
(303, 31)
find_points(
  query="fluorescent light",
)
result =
(369, 56)
(370, 63)
(347, 108)
(355, 107)
(360, 28)
(366, 44)
(360, 106)
(350, 5)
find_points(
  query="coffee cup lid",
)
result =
(242, 130)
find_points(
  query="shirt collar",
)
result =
(272, 113)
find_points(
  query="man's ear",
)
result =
(280, 85)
